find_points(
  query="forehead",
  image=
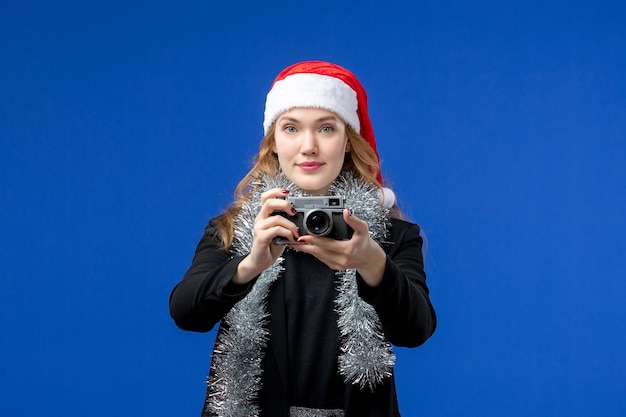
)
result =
(309, 114)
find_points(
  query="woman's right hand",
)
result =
(266, 227)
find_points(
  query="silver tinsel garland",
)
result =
(366, 357)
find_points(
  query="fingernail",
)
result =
(350, 212)
(285, 191)
(298, 233)
(293, 211)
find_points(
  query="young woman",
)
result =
(306, 326)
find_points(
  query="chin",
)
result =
(313, 189)
(313, 184)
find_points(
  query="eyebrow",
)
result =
(320, 120)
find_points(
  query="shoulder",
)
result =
(405, 234)
(213, 227)
(404, 226)
(211, 237)
(215, 222)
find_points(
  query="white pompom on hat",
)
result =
(323, 85)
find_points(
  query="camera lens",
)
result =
(318, 223)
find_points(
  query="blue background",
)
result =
(501, 125)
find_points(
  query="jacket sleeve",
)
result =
(402, 301)
(206, 292)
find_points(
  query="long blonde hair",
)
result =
(360, 159)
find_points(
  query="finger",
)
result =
(276, 206)
(273, 201)
(332, 259)
(266, 236)
(359, 226)
(284, 232)
(274, 193)
(319, 244)
(275, 223)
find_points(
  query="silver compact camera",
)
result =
(319, 216)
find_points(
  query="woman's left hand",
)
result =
(361, 252)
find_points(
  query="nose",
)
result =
(308, 146)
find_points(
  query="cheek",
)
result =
(278, 146)
(284, 149)
(340, 151)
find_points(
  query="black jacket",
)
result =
(205, 295)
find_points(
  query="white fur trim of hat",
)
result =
(387, 197)
(312, 90)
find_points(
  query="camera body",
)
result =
(320, 216)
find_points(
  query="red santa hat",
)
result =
(328, 86)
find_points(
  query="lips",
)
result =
(309, 165)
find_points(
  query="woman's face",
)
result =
(311, 146)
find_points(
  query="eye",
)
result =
(289, 129)
(327, 129)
